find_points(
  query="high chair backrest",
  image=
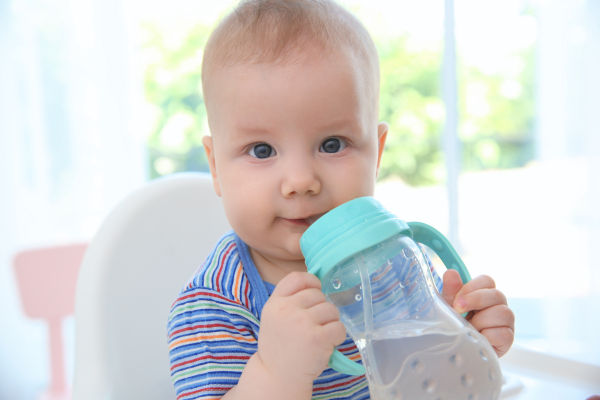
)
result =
(142, 256)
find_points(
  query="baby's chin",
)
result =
(291, 248)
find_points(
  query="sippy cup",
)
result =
(413, 345)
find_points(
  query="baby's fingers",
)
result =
(494, 317)
(479, 300)
(452, 285)
(500, 338)
(336, 332)
(479, 282)
(324, 313)
(296, 282)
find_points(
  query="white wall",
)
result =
(568, 63)
(568, 131)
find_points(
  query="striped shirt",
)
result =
(214, 325)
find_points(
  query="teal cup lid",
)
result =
(346, 230)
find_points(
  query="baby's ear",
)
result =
(382, 131)
(207, 142)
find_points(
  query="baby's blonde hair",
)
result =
(288, 31)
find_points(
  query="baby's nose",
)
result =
(300, 180)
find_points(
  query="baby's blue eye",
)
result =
(262, 150)
(332, 145)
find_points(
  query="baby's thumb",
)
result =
(452, 285)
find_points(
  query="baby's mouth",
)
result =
(313, 218)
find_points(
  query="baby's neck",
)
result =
(272, 269)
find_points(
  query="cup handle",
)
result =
(437, 242)
(343, 364)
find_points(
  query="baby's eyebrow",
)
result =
(333, 127)
(341, 124)
(246, 133)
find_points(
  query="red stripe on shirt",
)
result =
(338, 384)
(210, 356)
(192, 328)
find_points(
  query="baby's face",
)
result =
(290, 142)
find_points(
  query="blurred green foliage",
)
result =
(410, 102)
(496, 117)
(497, 120)
(172, 84)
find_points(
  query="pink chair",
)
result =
(46, 280)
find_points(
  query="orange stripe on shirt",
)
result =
(236, 288)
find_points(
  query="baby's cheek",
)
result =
(241, 219)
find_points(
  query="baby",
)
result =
(291, 90)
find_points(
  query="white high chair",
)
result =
(140, 259)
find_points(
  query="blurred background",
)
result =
(98, 97)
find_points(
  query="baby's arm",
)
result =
(298, 333)
(487, 307)
(211, 338)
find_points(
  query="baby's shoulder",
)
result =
(222, 272)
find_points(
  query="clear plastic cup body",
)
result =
(413, 345)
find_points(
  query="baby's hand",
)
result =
(487, 307)
(299, 330)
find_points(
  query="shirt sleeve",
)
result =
(210, 340)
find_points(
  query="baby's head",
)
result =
(291, 90)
